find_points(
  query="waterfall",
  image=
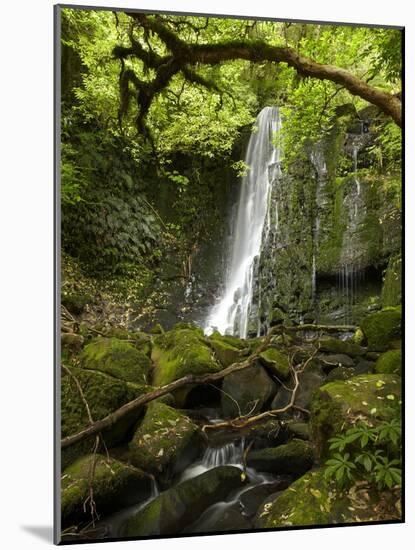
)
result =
(230, 453)
(230, 315)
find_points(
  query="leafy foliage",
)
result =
(373, 453)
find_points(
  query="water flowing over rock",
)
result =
(252, 222)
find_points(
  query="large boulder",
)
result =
(276, 362)
(314, 500)
(166, 439)
(246, 391)
(180, 352)
(228, 349)
(294, 458)
(308, 382)
(382, 328)
(332, 345)
(117, 358)
(104, 394)
(183, 504)
(337, 405)
(389, 362)
(114, 485)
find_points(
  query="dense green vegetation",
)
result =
(156, 114)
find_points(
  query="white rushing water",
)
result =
(231, 314)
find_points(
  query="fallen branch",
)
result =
(135, 404)
(242, 422)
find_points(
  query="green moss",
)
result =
(382, 327)
(228, 349)
(358, 337)
(336, 405)
(104, 394)
(276, 361)
(180, 352)
(162, 438)
(337, 346)
(114, 485)
(389, 362)
(295, 457)
(117, 358)
(71, 342)
(311, 500)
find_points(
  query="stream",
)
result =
(234, 513)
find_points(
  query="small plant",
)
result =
(367, 452)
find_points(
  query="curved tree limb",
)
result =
(184, 54)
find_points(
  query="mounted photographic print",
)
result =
(228, 274)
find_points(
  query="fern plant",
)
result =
(367, 452)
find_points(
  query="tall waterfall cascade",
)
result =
(231, 313)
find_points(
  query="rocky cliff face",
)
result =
(333, 228)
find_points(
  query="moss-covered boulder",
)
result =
(341, 373)
(117, 358)
(300, 430)
(183, 504)
(333, 360)
(294, 458)
(246, 391)
(389, 362)
(276, 362)
(114, 486)
(180, 352)
(228, 349)
(104, 394)
(382, 328)
(329, 344)
(166, 439)
(314, 500)
(337, 405)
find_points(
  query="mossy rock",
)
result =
(336, 405)
(389, 362)
(300, 430)
(276, 362)
(294, 458)
(115, 485)
(104, 394)
(314, 500)
(341, 373)
(246, 391)
(180, 352)
(228, 349)
(358, 337)
(331, 361)
(75, 303)
(263, 433)
(308, 382)
(329, 344)
(166, 439)
(382, 327)
(180, 506)
(117, 358)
